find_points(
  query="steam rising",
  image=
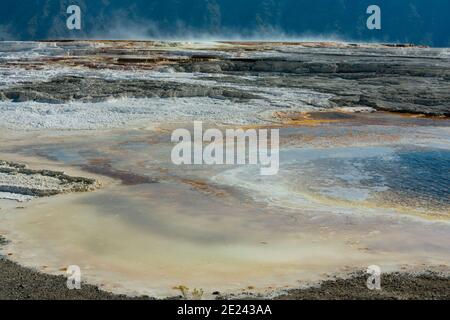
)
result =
(124, 29)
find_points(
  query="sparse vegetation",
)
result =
(184, 291)
(196, 294)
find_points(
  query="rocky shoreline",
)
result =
(17, 282)
(395, 286)
(17, 182)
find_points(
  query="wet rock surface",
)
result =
(408, 84)
(390, 78)
(65, 89)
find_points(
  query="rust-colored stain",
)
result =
(204, 187)
(311, 118)
(103, 167)
(98, 161)
(419, 115)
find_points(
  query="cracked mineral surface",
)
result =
(17, 182)
(358, 184)
(56, 84)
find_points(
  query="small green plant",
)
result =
(184, 291)
(197, 294)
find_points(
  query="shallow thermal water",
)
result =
(332, 208)
(399, 177)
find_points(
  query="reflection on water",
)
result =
(415, 178)
(421, 177)
(151, 238)
(226, 228)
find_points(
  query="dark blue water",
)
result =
(419, 174)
